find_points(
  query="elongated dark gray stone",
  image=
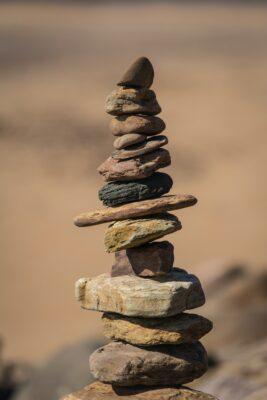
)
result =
(113, 194)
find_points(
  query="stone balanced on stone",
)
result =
(155, 345)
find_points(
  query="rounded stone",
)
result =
(183, 328)
(129, 233)
(122, 364)
(148, 125)
(139, 75)
(128, 140)
(132, 101)
(151, 259)
(134, 168)
(116, 193)
(148, 146)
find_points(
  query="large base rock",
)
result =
(183, 328)
(122, 364)
(141, 297)
(102, 391)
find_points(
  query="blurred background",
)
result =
(58, 62)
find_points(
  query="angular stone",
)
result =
(128, 140)
(144, 124)
(122, 364)
(134, 210)
(138, 149)
(134, 168)
(104, 391)
(138, 297)
(116, 193)
(183, 328)
(151, 259)
(132, 101)
(139, 75)
(129, 233)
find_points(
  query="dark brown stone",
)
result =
(103, 391)
(148, 125)
(134, 168)
(122, 364)
(152, 259)
(139, 75)
(138, 149)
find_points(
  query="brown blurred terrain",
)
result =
(58, 63)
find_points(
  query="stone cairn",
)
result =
(155, 346)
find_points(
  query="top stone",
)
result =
(139, 75)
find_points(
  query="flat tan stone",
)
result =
(129, 233)
(128, 140)
(183, 328)
(136, 209)
(104, 391)
(133, 296)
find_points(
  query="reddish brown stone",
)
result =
(152, 259)
(148, 125)
(134, 168)
(138, 149)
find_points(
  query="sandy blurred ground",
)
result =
(58, 63)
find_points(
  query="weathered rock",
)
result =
(122, 364)
(104, 391)
(139, 75)
(128, 140)
(129, 233)
(132, 101)
(115, 193)
(148, 125)
(138, 149)
(133, 210)
(138, 297)
(183, 328)
(151, 259)
(135, 168)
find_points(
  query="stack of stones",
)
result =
(154, 346)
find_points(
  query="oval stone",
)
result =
(134, 168)
(148, 125)
(132, 101)
(115, 193)
(129, 233)
(122, 364)
(128, 140)
(148, 146)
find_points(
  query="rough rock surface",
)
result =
(139, 75)
(138, 149)
(132, 101)
(151, 259)
(129, 233)
(115, 193)
(125, 365)
(138, 297)
(133, 210)
(148, 125)
(135, 168)
(183, 328)
(128, 140)
(103, 391)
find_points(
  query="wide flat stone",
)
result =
(136, 209)
(134, 168)
(138, 149)
(148, 125)
(122, 364)
(183, 328)
(129, 233)
(116, 193)
(128, 140)
(139, 75)
(139, 297)
(151, 259)
(104, 391)
(132, 101)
